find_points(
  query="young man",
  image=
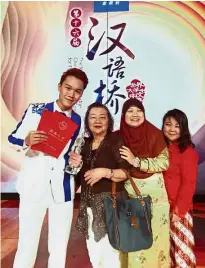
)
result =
(42, 182)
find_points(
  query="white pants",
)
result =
(31, 216)
(102, 254)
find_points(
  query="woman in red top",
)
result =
(180, 181)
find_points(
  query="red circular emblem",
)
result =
(75, 23)
(62, 125)
(76, 13)
(75, 42)
(75, 32)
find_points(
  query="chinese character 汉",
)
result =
(115, 42)
(118, 66)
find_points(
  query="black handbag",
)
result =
(128, 221)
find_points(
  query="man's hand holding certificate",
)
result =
(59, 130)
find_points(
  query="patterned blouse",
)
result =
(106, 156)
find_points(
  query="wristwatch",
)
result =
(136, 162)
(111, 173)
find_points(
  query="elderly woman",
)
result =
(102, 164)
(146, 151)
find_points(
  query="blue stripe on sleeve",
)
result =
(66, 182)
(14, 140)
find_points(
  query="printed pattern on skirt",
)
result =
(182, 243)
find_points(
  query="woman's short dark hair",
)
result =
(110, 118)
(185, 136)
(76, 73)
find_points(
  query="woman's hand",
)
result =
(94, 175)
(174, 215)
(75, 159)
(127, 155)
(175, 218)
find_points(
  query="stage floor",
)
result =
(77, 256)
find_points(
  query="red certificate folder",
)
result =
(59, 129)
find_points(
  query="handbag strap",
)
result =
(134, 186)
(138, 193)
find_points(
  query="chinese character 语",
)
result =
(118, 67)
(115, 42)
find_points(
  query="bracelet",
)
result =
(81, 164)
(136, 162)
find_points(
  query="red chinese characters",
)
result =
(75, 42)
(136, 90)
(75, 32)
(75, 24)
(76, 13)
